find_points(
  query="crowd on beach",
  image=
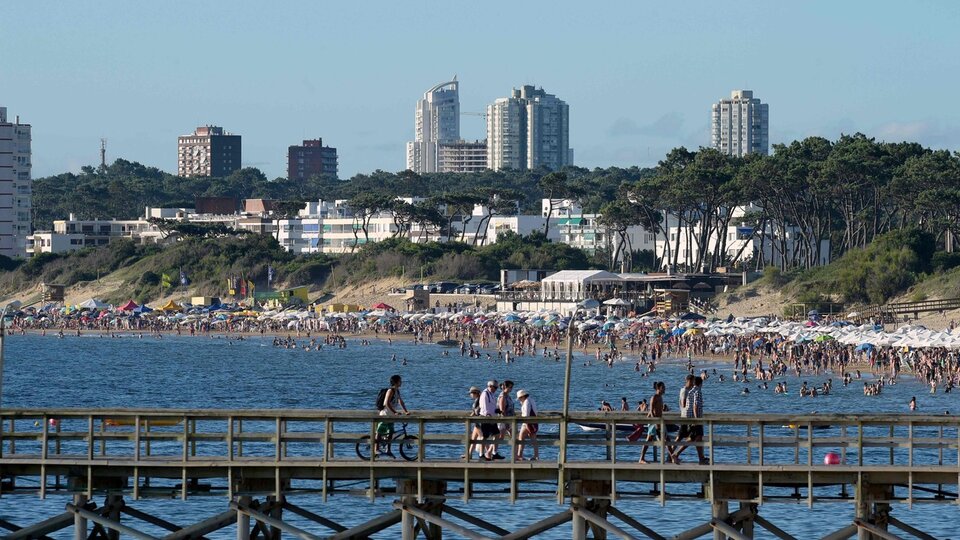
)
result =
(760, 350)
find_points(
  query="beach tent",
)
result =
(129, 306)
(93, 303)
(381, 305)
(171, 306)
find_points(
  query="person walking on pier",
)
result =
(392, 402)
(489, 430)
(656, 411)
(528, 409)
(691, 406)
(506, 407)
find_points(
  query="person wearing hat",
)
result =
(489, 430)
(528, 409)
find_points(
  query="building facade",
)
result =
(528, 130)
(208, 151)
(311, 158)
(462, 157)
(740, 125)
(15, 185)
(437, 120)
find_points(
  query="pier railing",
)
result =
(172, 452)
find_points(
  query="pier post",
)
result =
(433, 493)
(746, 526)
(275, 512)
(79, 522)
(243, 520)
(114, 503)
(872, 507)
(719, 510)
(582, 496)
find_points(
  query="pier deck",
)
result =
(260, 461)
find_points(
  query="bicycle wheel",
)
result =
(409, 447)
(363, 448)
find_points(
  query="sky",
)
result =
(639, 76)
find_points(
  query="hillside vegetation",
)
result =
(897, 266)
(135, 271)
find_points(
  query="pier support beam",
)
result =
(114, 503)
(873, 508)
(79, 522)
(424, 498)
(589, 495)
(243, 520)
(719, 511)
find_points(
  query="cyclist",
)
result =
(392, 401)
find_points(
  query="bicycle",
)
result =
(409, 444)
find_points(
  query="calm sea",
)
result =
(203, 372)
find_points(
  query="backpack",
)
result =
(382, 398)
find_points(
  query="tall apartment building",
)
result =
(437, 121)
(462, 157)
(208, 151)
(740, 125)
(15, 186)
(311, 158)
(528, 130)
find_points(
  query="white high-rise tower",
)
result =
(528, 130)
(15, 186)
(437, 122)
(740, 125)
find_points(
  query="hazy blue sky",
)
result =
(639, 76)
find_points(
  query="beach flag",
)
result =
(270, 274)
(250, 287)
(243, 288)
(184, 280)
(165, 281)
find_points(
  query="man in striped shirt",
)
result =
(691, 406)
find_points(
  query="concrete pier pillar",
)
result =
(719, 509)
(433, 495)
(746, 526)
(871, 507)
(579, 530)
(275, 512)
(115, 503)
(243, 520)
(79, 522)
(582, 495)
(407, 525)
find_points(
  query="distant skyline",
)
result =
(639, 77)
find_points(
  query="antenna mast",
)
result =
(103, 153)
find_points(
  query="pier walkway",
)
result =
(262, 462)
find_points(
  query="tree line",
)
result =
(832, 196)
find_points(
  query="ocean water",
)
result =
(216, 372)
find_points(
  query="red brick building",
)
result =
(310, 159)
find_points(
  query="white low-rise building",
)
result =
(741, 243)
(51, 242)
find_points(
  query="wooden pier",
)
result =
(264, 463)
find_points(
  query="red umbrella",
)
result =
(381, 305)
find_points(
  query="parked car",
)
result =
(443, 287)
